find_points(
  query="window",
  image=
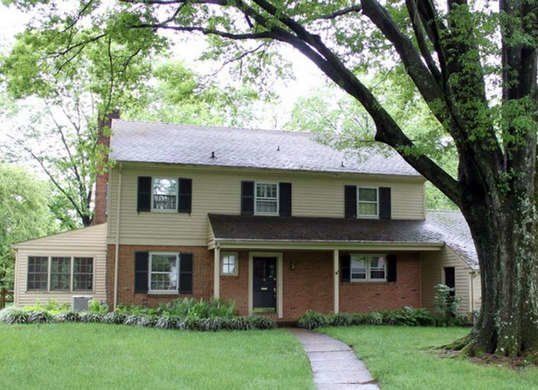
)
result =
(229, 264)
(60, 273)
(38, 273)
(367, 199)
(266, 199)
(82, 273)
(163, 276)
(164, 194)
(368, 268)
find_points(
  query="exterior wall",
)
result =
(88, 242)
(218, 190)
(202, 286)
(307, 281)
(406, 291)
(432, 274)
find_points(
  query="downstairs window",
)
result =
(368, 268)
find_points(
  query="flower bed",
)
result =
(187, 314)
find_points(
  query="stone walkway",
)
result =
(334, 364)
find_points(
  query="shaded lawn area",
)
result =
(401, 358)
(62, 356)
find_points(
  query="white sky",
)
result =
(307, 77)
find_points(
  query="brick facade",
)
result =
(307, 282)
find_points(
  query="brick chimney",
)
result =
(101, 180)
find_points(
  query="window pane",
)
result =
(266, 206)
(164, 194)
(164, 272)
(358, 268)
(368, 194)
(367, 208)
(37, 273)
(229, 264)
(83, 273)
(377, 268)
(60, 273)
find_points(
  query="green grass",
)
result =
(67, 356)
(401, 358)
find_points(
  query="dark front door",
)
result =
(450, 279)
(264, 283)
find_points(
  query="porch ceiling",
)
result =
(300, 232)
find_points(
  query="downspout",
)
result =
(117, 244)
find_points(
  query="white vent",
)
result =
(80, 303)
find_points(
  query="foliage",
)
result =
(184, 307)
(52, 307)
(406, 316)
(95, 306)
(445, 305)
(23, 215)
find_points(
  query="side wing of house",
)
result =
(61, 266)
(437, 267)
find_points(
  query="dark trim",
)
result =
(247, 198)
(184, 201)
(141, 284)
(392, 268)
(385, 203)
(284, 199)
(185, 273)
(345, 267)
(144, 194)
(350, 201)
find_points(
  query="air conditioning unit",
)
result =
(80, 303)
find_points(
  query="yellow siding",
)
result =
(218, 191)
(88, 242)
(432, 274)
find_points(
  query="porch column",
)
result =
(216, 273)
(336, 279)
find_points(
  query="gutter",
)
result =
(117, 243)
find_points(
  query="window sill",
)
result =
(230, 275)
(370, 281)
(59, 292)
(163, 293)
(368, 217)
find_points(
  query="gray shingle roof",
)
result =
(248, 148)
(451, 225)
(235, 227)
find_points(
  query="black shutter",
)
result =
(141, 272)
(284, 203)
(350, 201)
(185, 195)
(185, 273)
(247, 198)
(384, 203)
(144, 194)
(345, 267)
(391, 268)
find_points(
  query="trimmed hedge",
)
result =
(407, 316)
(18, 316)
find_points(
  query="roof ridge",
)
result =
(214, 127)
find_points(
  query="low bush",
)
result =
(184, 308)
(407, 316)
(13, 315)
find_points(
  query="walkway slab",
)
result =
(334, 364)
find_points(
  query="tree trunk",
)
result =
(505, 239)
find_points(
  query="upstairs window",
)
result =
(368, 202)
(163, 276)
(266, 199)
(164, 194)
(368, 268)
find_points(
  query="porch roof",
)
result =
(314, 231)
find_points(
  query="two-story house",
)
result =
(272, 220)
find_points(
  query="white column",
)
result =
(336, 279)
(216, 274)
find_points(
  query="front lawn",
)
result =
(76, 355)
(401, 358)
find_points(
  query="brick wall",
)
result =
(307, 282)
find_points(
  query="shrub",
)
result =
(94, 306)
(131, 319)
(114, 318)
(262, 322)
(166, 322)
(13, 315)
(91, 317)
(69, 316)
(39, 317)
(312, 320)
(445, 306)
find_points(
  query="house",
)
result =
(285, 223)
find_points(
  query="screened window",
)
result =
(163, 275)
(38, 273)
(368, 268)
(60, 273)
(367, 199)
(229, 264)
(266, 198)
(164, 194)
(82, 273)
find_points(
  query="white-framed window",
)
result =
(366, 268)
(266, 199)
(59, 273)
(367, 202)
(229, 263)
(163, 272)
(164, 194)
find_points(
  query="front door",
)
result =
(264, 283)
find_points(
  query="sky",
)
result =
(307, 77)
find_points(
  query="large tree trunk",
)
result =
(505, 239)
